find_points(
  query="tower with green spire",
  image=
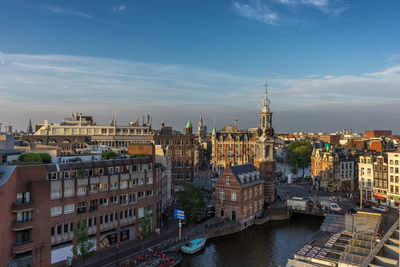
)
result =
(189, 128)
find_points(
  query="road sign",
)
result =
(179, 214)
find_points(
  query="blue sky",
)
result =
(332, 64)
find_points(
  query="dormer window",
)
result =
(53, 176)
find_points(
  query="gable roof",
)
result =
(246, 174)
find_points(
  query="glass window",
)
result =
(55, 193)
(55, 211)
(222, 194)
(81, 190)
(103, 187)
(68, 191)
(123, 199)
(141, 213)
(123, 184)
(233, 195)
(69, 208)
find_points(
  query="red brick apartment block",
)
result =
(377, 133)
(41, 205)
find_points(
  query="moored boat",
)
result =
(194, 245)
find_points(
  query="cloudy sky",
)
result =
(331, 64)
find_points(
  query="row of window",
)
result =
(101, 187)
(178, 142)
(98, 171)
(252, 208)
(180, 175)
(124, 199)
(63, 130)
(180, 153)
(180, 164)
(256, 191)
(394, 189)
(103, 219)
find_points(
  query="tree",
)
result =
(85, 247)
(300, 155)
(109, 155)
(191, 200)
(38, 157)
(144, 229)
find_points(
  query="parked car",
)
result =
(210, 214)
(210, 208)
(380, 208)
(352, 211)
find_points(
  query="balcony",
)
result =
(92, 208)
(22, 247)
(80, 210)
(22, 225)
(21, 206)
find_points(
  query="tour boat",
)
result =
(194, 246)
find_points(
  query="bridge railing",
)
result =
(308, 210)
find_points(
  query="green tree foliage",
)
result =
(38, 157)
(85, 247)
(144, 229)
(300, 155)
(191, 200)
(138, 156)
(109, 155)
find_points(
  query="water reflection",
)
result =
(267, 245)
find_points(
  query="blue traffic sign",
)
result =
(179, 214)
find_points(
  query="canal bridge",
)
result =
(310, 210)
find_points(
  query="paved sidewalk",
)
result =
(128, 249)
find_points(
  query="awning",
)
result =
(379, 196)
(394, 196)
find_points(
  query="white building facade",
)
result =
(394, 175)
(366, 177)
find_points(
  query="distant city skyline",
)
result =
(331, 64)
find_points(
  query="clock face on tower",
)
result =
(269, 132)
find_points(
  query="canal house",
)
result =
(239, 194)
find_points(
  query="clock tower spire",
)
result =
(265, 113)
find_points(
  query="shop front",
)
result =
(380, 199)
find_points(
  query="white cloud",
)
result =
(119, 8)
(257, 11)
(62, 10)
(334, 7)
(52, 86)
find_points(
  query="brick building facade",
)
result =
(368, 134)
(232, 146)
(239, 194)
(41, 205)
(180, 149)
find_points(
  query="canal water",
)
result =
(270, 244)
(286, 169)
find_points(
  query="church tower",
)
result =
(29, 129)
(200, 128)
(265, 149)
